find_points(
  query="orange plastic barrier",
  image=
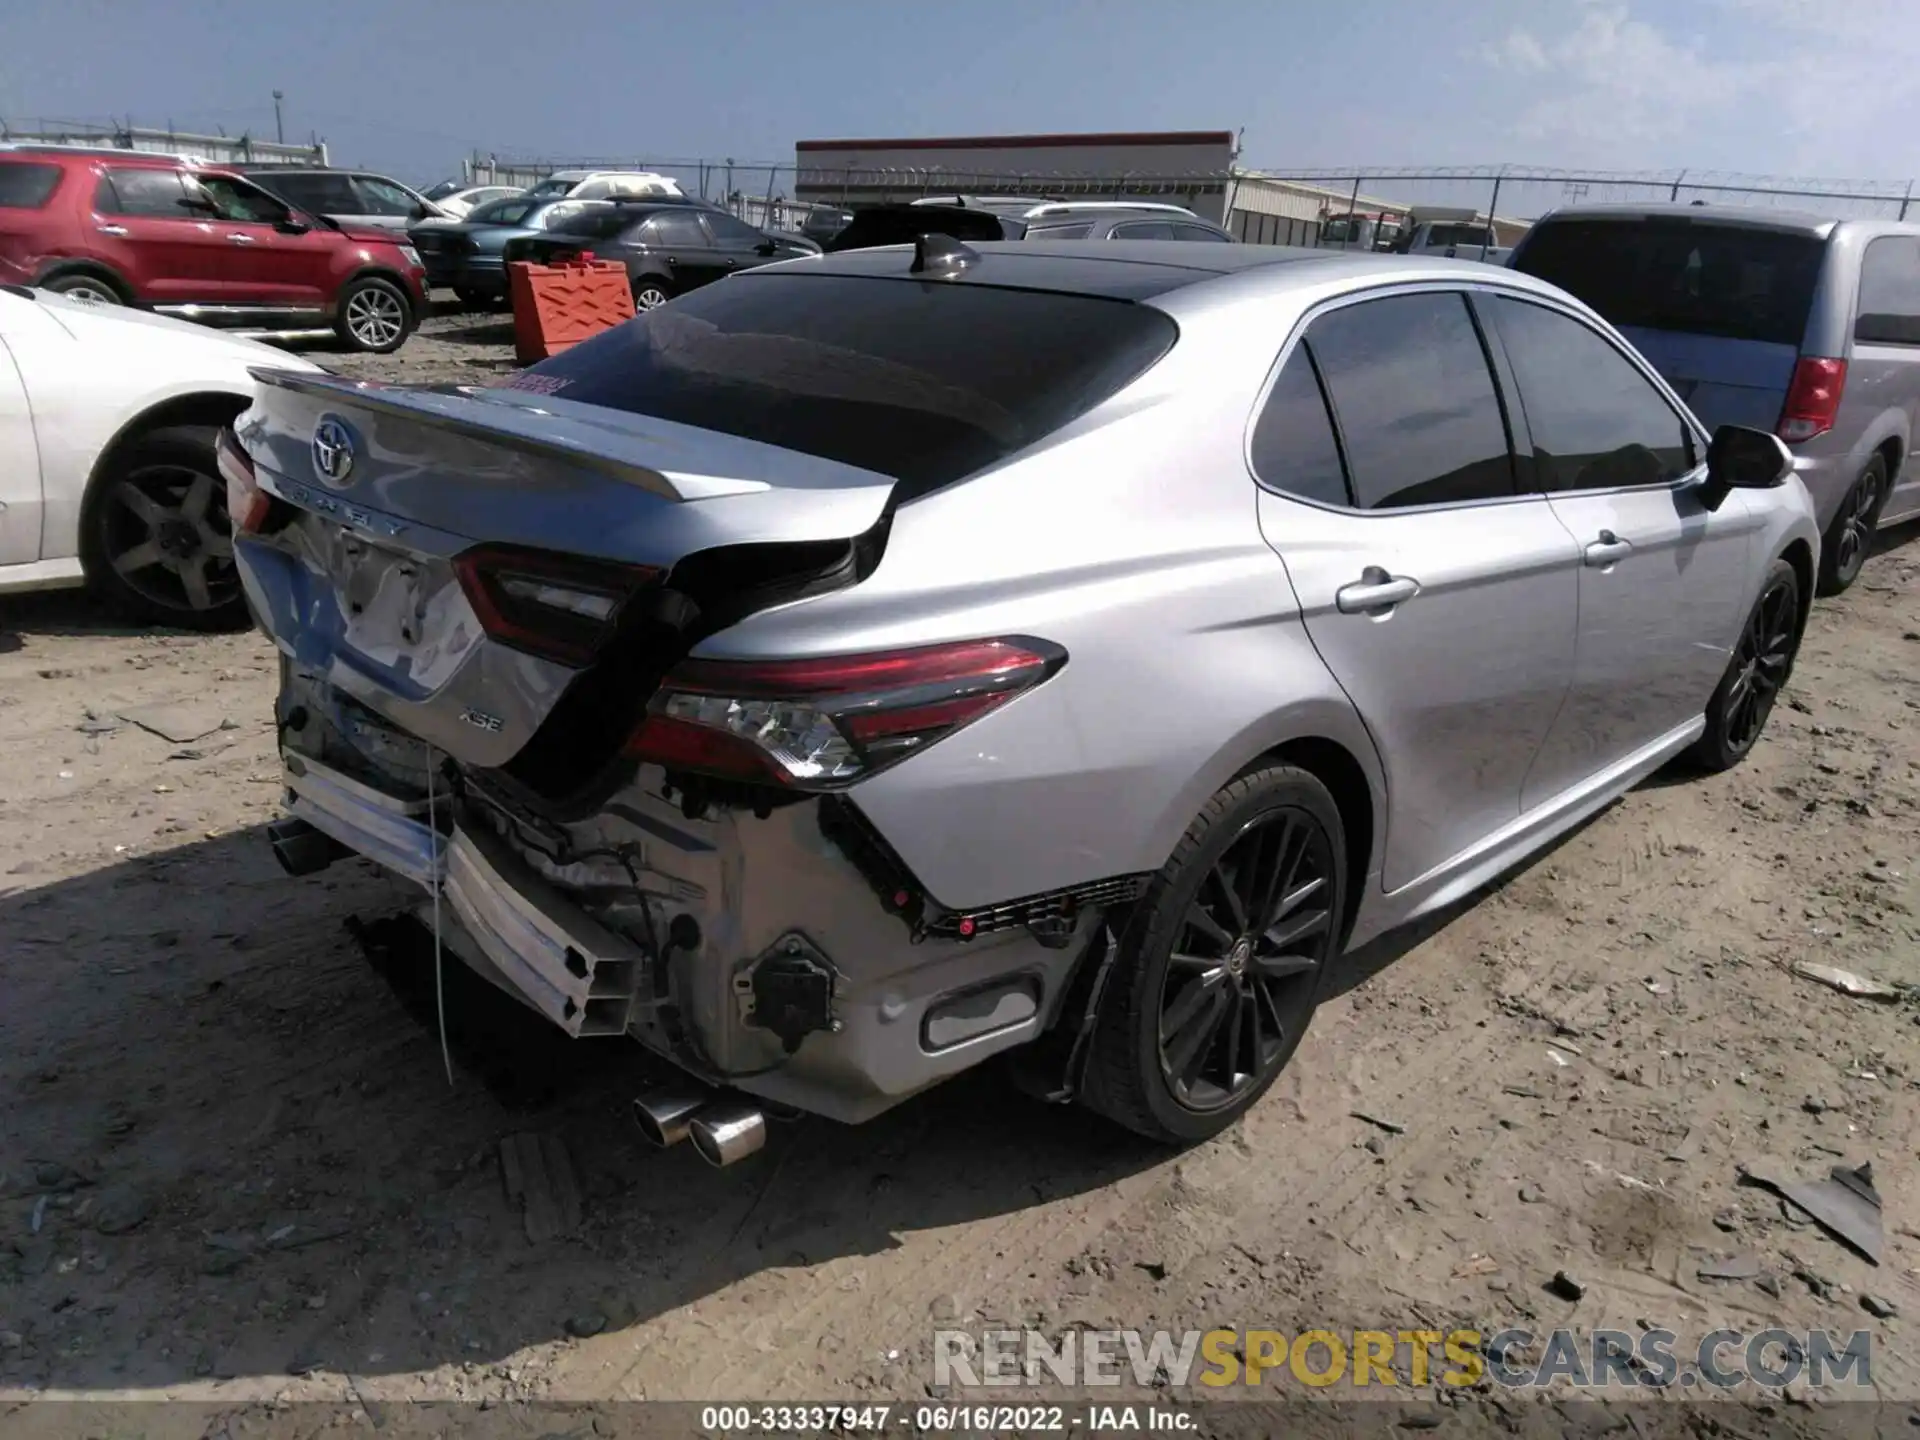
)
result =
(557, 306)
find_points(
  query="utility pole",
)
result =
(279, 129)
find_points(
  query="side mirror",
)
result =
(766, 247)
(291, 225)
(1741, 458)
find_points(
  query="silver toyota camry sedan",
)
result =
(869, 665)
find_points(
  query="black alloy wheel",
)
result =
(1761, 662)
(1849, 539)
(1224, 960)
(1243, 974)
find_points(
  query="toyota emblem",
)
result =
(332, 450)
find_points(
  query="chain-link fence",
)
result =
(216, 149)
(1527, 192)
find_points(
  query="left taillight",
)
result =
(822, 724)
(248, 506)
(555, 606)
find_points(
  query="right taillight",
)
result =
(1813, 399)
(823, 724)
(247, 504)
(555, 606)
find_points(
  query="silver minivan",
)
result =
(1795, 323)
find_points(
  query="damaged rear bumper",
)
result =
(750, 951)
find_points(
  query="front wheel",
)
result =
(1762, 661)
(1224, 961)
(375, 317)
(1849, 539)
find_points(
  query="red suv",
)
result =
(125, 228)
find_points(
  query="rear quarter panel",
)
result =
(1132, 540)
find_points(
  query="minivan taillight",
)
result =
(555, 606)
(1813, 399)
(823, 724)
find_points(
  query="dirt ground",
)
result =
(232, 1167)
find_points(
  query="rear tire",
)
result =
(650, 292)
(155, 539)
(1849, 539)
(1224, 960)
(1758, 671)
(375, 316)
(87, 289)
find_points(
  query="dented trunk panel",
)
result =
(361, 589)
(500, 465)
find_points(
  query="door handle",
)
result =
(1374, 592)
(241, 239)
(1606, 550)
(111, 229)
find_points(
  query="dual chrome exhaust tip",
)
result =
(722, 1131)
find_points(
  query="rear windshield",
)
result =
(900, 225)
(501, 212)
(26, 186)
(1737, 281)
(924, 382)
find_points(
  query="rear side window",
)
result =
(26, 186)
(1060, 232)
(1415, 401)
(926, 383)
(1597, 422)
(501, 212)
(141, 192)
(1696, 277)
(1889, 311)
(595, 224)
(1200, 233)
(674, 228)
(1144, 230)
(1293, 446)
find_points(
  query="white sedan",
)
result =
(108, 417)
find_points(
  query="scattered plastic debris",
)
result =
(1846, 981)
(1846, 1205)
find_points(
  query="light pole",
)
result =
(279, 130)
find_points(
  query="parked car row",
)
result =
(1283, 597)
(117, 227)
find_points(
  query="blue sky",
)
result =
(1793, 87)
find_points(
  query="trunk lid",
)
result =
(389, 487)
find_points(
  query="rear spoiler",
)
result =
(523, 419)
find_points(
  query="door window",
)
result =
(141, 192)
(320, 194)
(671, 230)
(1294, 450)
(731, 233)
(1890, 292)
(1597, 422)
(1199, 232)
(237, 201)
(383, 197)
(1415, 401)
(1144, 230)
(1078, 231)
